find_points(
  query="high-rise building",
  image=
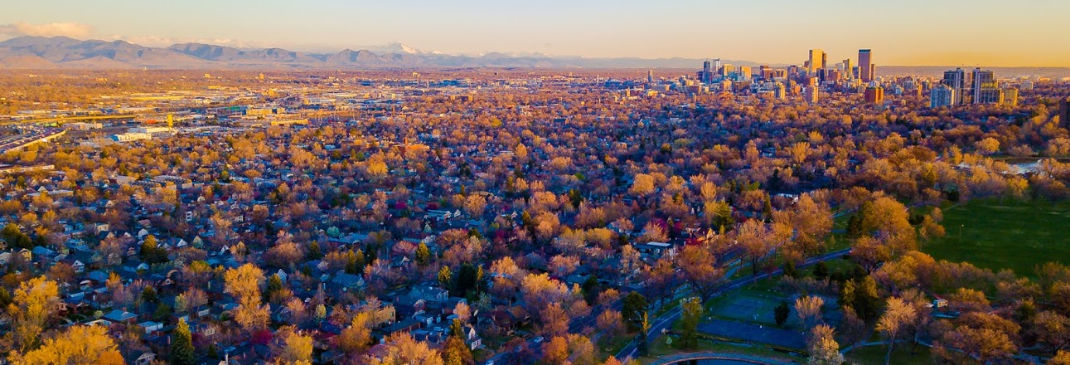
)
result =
(650, 76)
(985, 88)
(812, 90)
(1010, 96)
(811, 94)
(875, 95)
(942, 95)
(865, 65)
(816, 62)
(779, 91)
(847, 68)
(956, 80)
(727, 70)
(707, 73)
(744, 73)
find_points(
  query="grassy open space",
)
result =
(1005, 234)
(901, 355)
(659, 348)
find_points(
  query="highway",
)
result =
(22, 140)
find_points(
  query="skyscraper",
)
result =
(985, 88)
(865, 65)
(707, 73)
(956, 80)
(847, 68)
(817, 62)
(650, 76)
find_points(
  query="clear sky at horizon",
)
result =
(901, 32)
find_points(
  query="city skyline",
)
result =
(910, 33)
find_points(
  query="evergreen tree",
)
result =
(633, 308)
(182, 345)
(692, 314)
(781, 312)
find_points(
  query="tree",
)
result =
(182, 345)
(423, 254)
(13, 236)
(644, 327)
(611, 323)
(642, 185)
(554, 320)
(781, 313)
(689, 319)
(756, 241)
(581, 350)
(35, 302)
(555, 351)
(244, 284)
(808, 308)
(474, 205)
(455, 352)
(888, 220)
(823, 347)
(1062, 357)
(76, 345)
(699, 268)
(296, 349)
(357, 336)
(633, 307)
(897, 318)
(151, 252)
(445, 276)
(506, 274)
(981, 337)
(1053, 329)
(861, 296)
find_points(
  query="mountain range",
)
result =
(69, 53)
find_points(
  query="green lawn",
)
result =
(659, 348)
(902, 355)
(746, 305)
(1005, 234)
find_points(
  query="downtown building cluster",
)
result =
(817, 75)
(977, 87)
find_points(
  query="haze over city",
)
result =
(909, 33)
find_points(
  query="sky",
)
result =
(900, 32)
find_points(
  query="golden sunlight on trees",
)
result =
(35, 302)
(77, 345)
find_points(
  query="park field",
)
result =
(1005, 234)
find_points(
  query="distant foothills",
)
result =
(68, 53)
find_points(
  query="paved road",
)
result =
(666, 320)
